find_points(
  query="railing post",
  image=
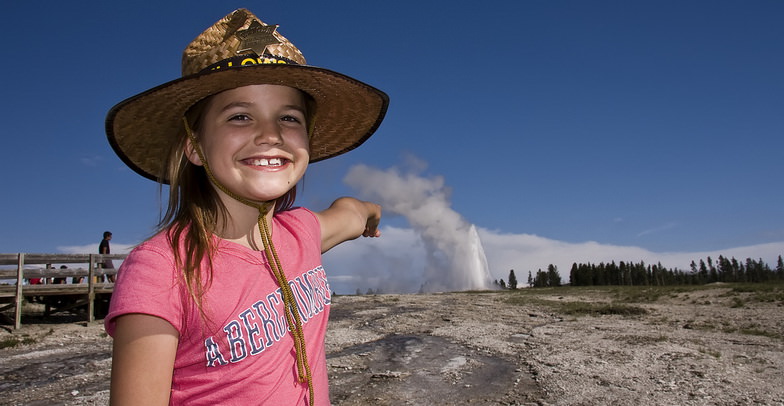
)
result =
(19, 298)
(91, 290)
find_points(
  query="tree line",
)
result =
(724, 269)
(551, 278)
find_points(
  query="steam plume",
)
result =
(454, 258)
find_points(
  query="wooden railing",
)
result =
(17, 271)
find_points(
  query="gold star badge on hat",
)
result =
(257, 37)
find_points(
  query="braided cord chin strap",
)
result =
(290, 304)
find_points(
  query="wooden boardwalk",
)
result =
(17, 271)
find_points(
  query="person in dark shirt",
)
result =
(103, 248)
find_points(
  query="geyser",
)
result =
(455, 259)
(478, 273)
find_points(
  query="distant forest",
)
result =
(639, 274)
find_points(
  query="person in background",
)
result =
(60, 281)
(104, 248)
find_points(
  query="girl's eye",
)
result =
(239, 117)
(290, 119)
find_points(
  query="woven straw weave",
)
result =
(218, 42)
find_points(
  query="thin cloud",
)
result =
(91, 161)
(665, 227)
(117, 248)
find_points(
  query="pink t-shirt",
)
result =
(243, 354)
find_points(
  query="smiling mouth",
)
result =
(267, 162)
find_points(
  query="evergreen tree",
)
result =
(553, 277)
(724, 269)
(713, 275)
(752, 273)
(703, 273)
(737, 270)
(574, 279)
(531, 279)
(780, 269)
(512, 280)
(540, 280)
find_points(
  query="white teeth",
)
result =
(267, 162)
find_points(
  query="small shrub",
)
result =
(737, 303)
(9, 342)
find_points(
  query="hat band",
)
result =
(248, 60)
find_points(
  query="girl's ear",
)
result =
(191, 153)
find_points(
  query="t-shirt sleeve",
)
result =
(310, 223)
(147, 284)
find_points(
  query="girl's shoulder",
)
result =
(299, 221)
(157, 245)
(296, 214)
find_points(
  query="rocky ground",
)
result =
(717, 345)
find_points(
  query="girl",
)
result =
(228, 303)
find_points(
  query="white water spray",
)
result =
(455, 259)
(479, 271)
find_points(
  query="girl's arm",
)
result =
(346, 219)
(142, 360)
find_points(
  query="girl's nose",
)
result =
(268, 135)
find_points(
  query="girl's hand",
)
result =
(371, 228)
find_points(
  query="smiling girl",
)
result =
(228, 303)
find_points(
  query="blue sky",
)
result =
(607, 129)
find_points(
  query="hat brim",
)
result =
(142, 128)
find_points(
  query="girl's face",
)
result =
(255, 140)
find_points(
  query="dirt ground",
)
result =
(714, 346)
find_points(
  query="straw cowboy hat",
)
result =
(236, 51)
